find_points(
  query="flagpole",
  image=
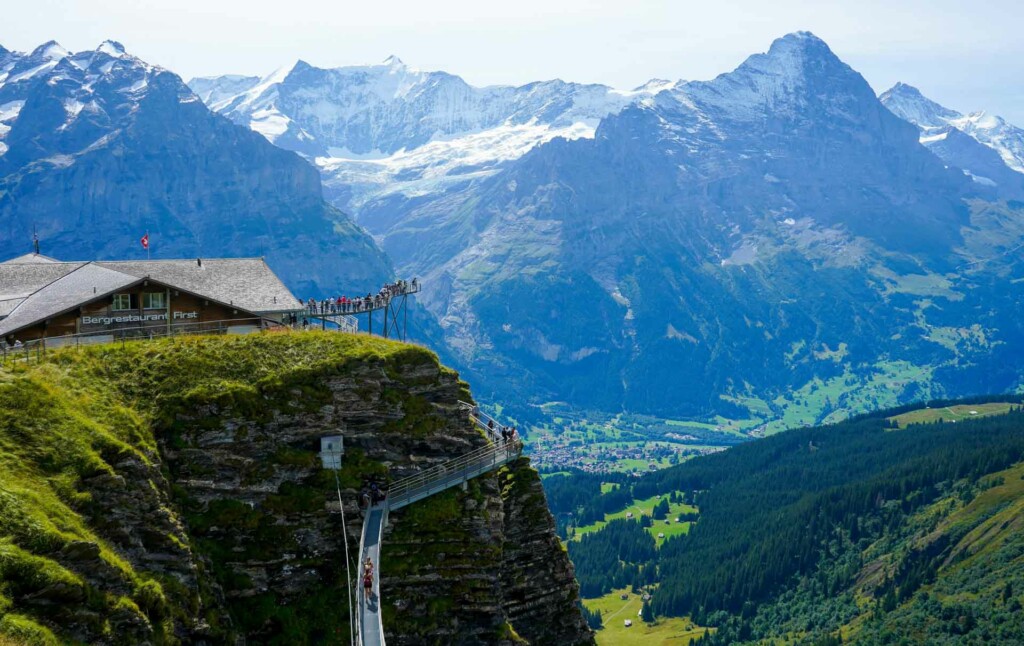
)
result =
(147, 246)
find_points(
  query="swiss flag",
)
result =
(145, 241)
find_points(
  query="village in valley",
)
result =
(621, 444)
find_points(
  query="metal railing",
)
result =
(360, 305)
(461, 469)
(38, 348)
(490, 426)
(451, 473)
(497, 453)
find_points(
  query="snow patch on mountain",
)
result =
(8, 114)
(995, 132)
(440, 164)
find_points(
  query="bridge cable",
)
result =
(348, 570)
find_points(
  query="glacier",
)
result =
(378, 130)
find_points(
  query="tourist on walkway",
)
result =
(368, 577)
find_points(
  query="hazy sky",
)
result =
(966, 55)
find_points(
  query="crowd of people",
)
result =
(508, 434)
(371, 494)
(355, 305)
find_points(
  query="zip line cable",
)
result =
(348, 570)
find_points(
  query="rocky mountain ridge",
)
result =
(730, 218)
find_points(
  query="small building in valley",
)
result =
(41, 297)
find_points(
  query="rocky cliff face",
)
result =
(481, 566)
(221, 523)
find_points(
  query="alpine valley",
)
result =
(772, 248)
(630, 277)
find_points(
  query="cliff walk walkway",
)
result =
(404, 492)
(342, 313)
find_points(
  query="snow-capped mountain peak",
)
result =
(50, 51)
(907, 102)
(92, 88)
(111, 48)
(935, 120)
(798, 70)
(393, 61)
(788, 62)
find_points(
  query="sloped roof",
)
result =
(86, 283)
(19, 280)
(7, 305)
(30, 259)
(42, 288)
(246, 283)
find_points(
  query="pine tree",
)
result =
(661, 509)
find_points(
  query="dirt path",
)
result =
(628, 601)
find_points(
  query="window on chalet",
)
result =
(154, 301)
(123, 302)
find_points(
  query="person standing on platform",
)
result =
(368, 578)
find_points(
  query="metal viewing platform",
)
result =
(406, 491)
(343, 313)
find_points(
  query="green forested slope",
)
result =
(861, 532)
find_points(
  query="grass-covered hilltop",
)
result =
(904, 526)
(170, 492)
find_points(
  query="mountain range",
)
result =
(99, 147)
(379, 130)
(776, 246)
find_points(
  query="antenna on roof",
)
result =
(35, 241)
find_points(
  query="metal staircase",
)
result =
(417, 487)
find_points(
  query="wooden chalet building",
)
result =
(45, 298)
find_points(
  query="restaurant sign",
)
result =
(136, 318)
